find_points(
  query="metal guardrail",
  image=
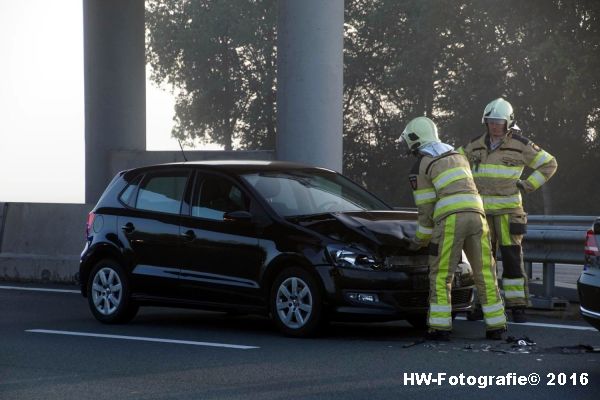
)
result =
(556, 238)
(553, 239)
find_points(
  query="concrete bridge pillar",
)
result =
(309, 82)
(115, 86)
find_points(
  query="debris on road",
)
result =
(420, 341)
(512, 345)
(579, 349)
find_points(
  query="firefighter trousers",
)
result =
(507, 232)
(466, 231)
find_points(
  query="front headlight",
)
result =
(343, 256)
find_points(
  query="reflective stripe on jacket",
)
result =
(496, 172)
(442, 185)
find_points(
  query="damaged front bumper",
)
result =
(393, 293)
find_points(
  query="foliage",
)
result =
(220, 56)
(442, 58)
(447, 59)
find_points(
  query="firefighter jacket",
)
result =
(442, 185)
(498, 172)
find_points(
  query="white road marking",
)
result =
(559, 326)
(143, 339)
(543, 325)
(39, 289)
(539, 324)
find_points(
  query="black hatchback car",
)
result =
(298, 243)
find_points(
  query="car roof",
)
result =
(237, 166)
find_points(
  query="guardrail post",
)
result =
(548, 272)
(548, 301)
(529, 269)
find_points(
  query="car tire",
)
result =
(296, 303)
(109, 293)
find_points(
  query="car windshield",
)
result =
(308, 192)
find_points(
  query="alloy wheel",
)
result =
(294, 302)
(107, 291)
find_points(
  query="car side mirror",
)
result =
(237, 216)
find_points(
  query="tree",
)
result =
(402, 58)
(400, 62)
(448, 59)
(220, 57)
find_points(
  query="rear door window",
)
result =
(215, 195)
(162, 192)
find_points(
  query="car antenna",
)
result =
(182, 152)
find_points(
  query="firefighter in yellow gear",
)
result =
(450, 219)
(497, 160)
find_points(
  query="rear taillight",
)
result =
(591, 246)
(89, 225)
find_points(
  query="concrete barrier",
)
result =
(42, 242)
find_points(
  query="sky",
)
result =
(42, 124)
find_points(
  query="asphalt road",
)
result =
(51, 348)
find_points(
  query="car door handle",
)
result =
(188, 236)
(128, 227)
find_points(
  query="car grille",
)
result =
(402, 262)
(461, 296)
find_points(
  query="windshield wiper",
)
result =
(311, 219)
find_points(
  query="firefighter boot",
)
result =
(518, 315)
(495, 334)
(438, 335)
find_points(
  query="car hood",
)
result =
(376, 229)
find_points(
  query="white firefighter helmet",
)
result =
(497, 110)
(419, 132)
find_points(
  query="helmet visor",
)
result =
(496, 121)
(403, 144)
